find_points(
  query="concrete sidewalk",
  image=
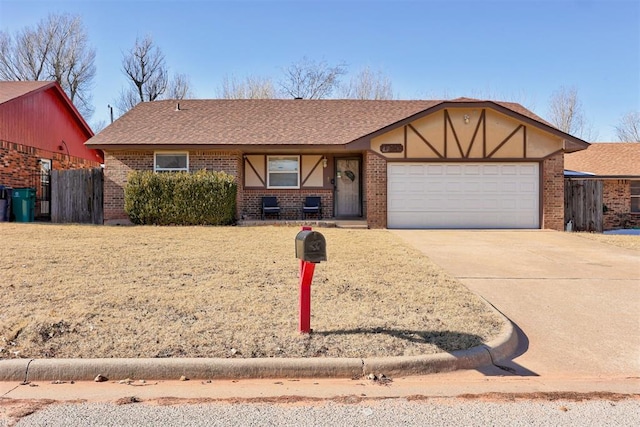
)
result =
(575, 301)
(451, 384)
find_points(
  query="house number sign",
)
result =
(391, 148)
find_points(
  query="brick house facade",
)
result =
(343, 152)
(616, 196)
(616, 165)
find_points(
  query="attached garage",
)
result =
(463, 195)
(467, 164)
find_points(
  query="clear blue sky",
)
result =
(518, 50)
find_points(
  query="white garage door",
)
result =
(463, 195)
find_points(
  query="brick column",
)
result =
(376, 189)
(553, 192)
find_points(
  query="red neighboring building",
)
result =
(40, 130)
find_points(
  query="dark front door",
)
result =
(347, 195)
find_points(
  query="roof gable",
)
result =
(10, 90)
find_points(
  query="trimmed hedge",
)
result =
(180, 198)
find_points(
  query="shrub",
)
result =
(182, 198)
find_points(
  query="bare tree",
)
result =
(566, 113)
(148, 77)
(127, 99)
(252, 87)
(98, 126)
(146, 70)
(629, 128)
(179, 87)
(368, 84)
(56, 49)
(309, 79)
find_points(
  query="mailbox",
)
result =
(311, 246)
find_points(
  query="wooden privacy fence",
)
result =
(583, 204)
(76, 196)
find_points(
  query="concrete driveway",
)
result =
(575, 301)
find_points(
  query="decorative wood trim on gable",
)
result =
(306, 178)
(481, 121)
(504, 141)
(247, 161)
(466, 133)
(423, 140)
(447, 122)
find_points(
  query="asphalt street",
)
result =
(394, 412)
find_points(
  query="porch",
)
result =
(324, 223)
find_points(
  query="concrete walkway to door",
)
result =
(576, 301)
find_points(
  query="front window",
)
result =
(283, 172)
(171, 162)
(635, 196)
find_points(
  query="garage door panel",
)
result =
(463, 195)
(434, 169)
(416, 170)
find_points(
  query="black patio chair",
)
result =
(270, 206)
(312, 205)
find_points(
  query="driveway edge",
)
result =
(501, 347)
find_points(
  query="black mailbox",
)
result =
(311, 246)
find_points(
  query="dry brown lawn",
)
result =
(93, 291)
(622, 240)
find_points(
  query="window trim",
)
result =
(634, 196)
(155, 161)
(269, 172)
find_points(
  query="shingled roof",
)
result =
(10, 90)
(279, 122)
(609, 159)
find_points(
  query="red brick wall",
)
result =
(290, 202)
(553, 192)
(117, 166)
(616, 196)
(19, 163)
(119, 163)
(375, 170)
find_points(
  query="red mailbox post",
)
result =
(306, 276)
(310, 249)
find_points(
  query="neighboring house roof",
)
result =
(15, 89)
(606, 159)
(279, 122)
(11, 90)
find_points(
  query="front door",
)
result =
(347, 189)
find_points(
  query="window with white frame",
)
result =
(171, 162)
(283, 171)
(635, 196)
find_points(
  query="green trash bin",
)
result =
(23, 204)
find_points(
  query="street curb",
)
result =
(173, 369)
(217, 368)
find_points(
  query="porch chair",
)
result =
(312, 205)
(270, 206)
